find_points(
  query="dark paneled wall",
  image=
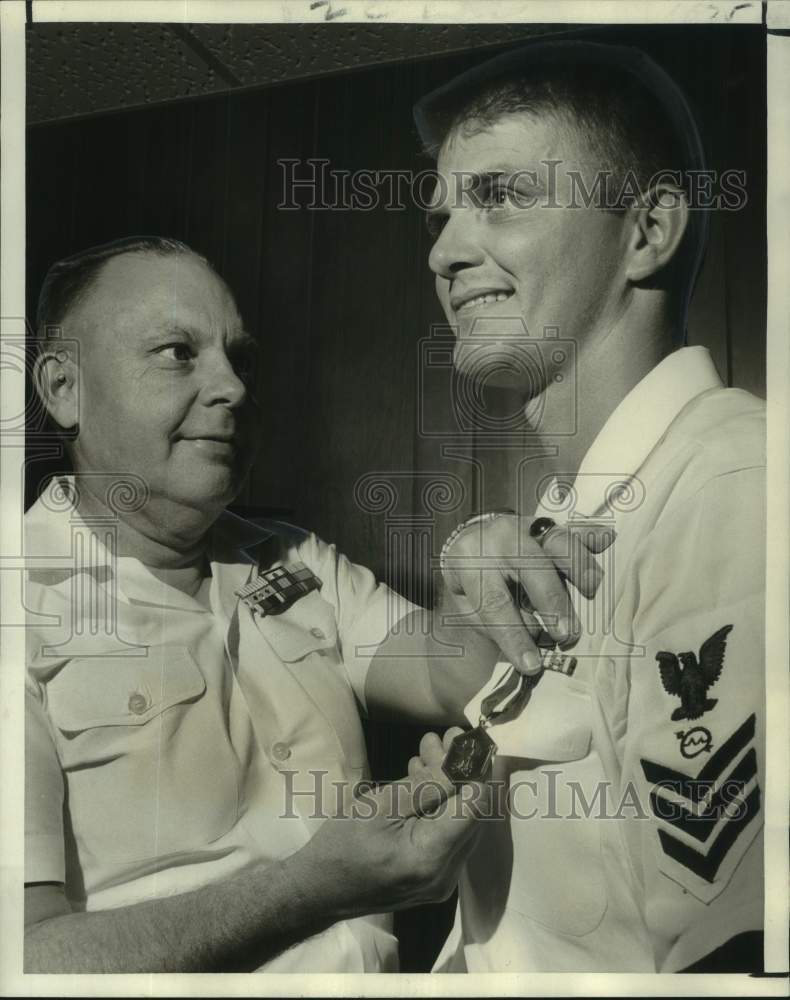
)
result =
(343, 299)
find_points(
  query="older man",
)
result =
(191, 713)
(632, 842)
(194, 679)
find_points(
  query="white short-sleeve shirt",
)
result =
(633, 840)
(171, 745)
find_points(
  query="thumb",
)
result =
(457, 819)
(595, 537)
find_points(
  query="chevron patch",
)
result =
(707, 865)
(700, 824)
(720, 802)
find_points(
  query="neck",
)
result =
(162, 534)
(606, 370)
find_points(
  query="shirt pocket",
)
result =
(148, 765)
(308, 628)
(305, 638)
(558, 870)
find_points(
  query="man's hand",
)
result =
(514, 587)
(402, 844)
(505, 595)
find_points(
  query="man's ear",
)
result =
(56, 375)
(658, 228)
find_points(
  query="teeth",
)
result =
(486, 300)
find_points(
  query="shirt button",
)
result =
(138, 703)
(317, 633)
(281, 751)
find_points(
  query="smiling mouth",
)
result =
(478, 301)
(216, 442)
(226, 438)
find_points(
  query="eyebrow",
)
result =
(485, 177)
(167, 329)
(242, 337)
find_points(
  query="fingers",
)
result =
(597, 537)
(427, 785)
(431, 751)
(550, 599)
(451, 828)
(416, 795)
(504, 558)
(449, 736)
(467, 616)
(572, 547)
(517, 586)
(442, 841)
(416, 768)
(537, 632)
(498, 613)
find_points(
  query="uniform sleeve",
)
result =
(44, 844)
(366, 610)
(696, 715)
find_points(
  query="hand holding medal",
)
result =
(511, 575)
(400, 844)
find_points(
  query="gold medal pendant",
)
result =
(470, 755)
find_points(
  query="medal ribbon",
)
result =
(512, 691)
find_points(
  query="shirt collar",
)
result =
(52, 527)
(636, 426)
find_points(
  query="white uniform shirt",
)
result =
(655, 875)
(162, 750)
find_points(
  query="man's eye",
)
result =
(496, 196)
(177, 352)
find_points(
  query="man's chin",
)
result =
(211, 493)
(502, 365)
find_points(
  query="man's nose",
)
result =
(223, 384)
(455, 248)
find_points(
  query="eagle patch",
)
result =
(690, 682)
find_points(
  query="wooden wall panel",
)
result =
(343, 300)
(283, 305)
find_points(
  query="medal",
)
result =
(471, 753)
(469, 756)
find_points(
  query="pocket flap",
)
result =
(553, 726)
(93, 691)
(308, 626)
